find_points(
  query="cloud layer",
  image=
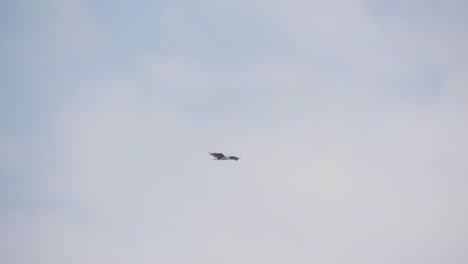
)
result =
(349, 117)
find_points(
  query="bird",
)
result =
(220, 156)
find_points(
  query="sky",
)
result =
(350, 118)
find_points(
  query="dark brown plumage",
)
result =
(220, 156)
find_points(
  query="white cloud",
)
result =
(334, 167)
(139, 164)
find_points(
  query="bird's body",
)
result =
(220, 156)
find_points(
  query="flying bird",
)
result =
(220, 156)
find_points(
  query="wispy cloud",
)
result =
(350, 125)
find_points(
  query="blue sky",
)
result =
(350, 118)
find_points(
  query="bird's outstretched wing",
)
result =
(217, 155)
(233, 158)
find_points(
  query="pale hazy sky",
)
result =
(350, 118)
